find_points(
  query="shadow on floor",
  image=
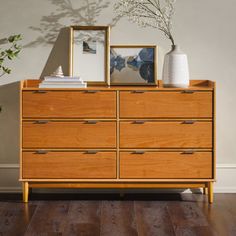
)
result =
(94, 197)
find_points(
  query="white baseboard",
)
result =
(10, 189)
(225, 175)
(225, 178)
(9, 166)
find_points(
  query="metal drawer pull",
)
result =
(138, 152)
(139, 122)
(91, 91)
(91, 152)
(138, 91)
(41, 122)
(41, 152)
(188, 91)
(189, 122)
(40, 91)
(188, 152)
(91, 122)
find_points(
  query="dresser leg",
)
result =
(205, 191)
(210, 192)
(25, 191)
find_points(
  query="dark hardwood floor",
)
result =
(110, 215)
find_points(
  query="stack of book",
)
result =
(62, 82)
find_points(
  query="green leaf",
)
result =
(6, 70)
(14, 38)
(17, 46)
(16, 53)
(9, 51)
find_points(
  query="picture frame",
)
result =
(89, 53)
(133, 65)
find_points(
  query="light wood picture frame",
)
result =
(89, 54)
(133, 65)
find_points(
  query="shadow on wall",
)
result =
(59, 54)
(66, 13)
(9, 123)
(53, 30)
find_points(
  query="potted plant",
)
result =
(158, 14)
(10, 51)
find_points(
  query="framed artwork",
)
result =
(89, 53)
(133, 65)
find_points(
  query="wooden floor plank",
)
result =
(117, 218)
(194, 231)
(153, 219)
(135, 215)
(221, 215)
(188, 219)
(49, 219)
(83, 218)
(15, 218)
(186, 214)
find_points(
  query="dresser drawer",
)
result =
(69, 104)
(165, 134)
(69, 134)
(69, 165)
(168, 104)
(165, 165)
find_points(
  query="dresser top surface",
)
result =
(33, 84)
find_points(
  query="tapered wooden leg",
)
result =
(205, 191)
(210, 192)
(25, 191)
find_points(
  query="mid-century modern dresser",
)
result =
(118, 137)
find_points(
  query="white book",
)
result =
(63, 85)
(62, 79)
(62, 82)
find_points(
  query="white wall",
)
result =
(205, 30)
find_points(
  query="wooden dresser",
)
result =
(118, 137)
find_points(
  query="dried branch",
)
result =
(148, 13)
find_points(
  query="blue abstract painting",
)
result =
(131, 65)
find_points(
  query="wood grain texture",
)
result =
(15, 217)
(165, 135)
(165, 104)
(188, 219)
(153, 219)
(83, 218)
(165, 165)
(49, 219)
(115, 185)
(69, 165)
(198, 85)
(152, 214)
(117, 219)
(222, 215)
(69, 104)
(69, 135)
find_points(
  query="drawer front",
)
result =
(169, 134)
(165, 104)
(69, 165)
(69, 104)
(165, 165)
(69, 135)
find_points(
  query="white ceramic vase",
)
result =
(175, 70)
